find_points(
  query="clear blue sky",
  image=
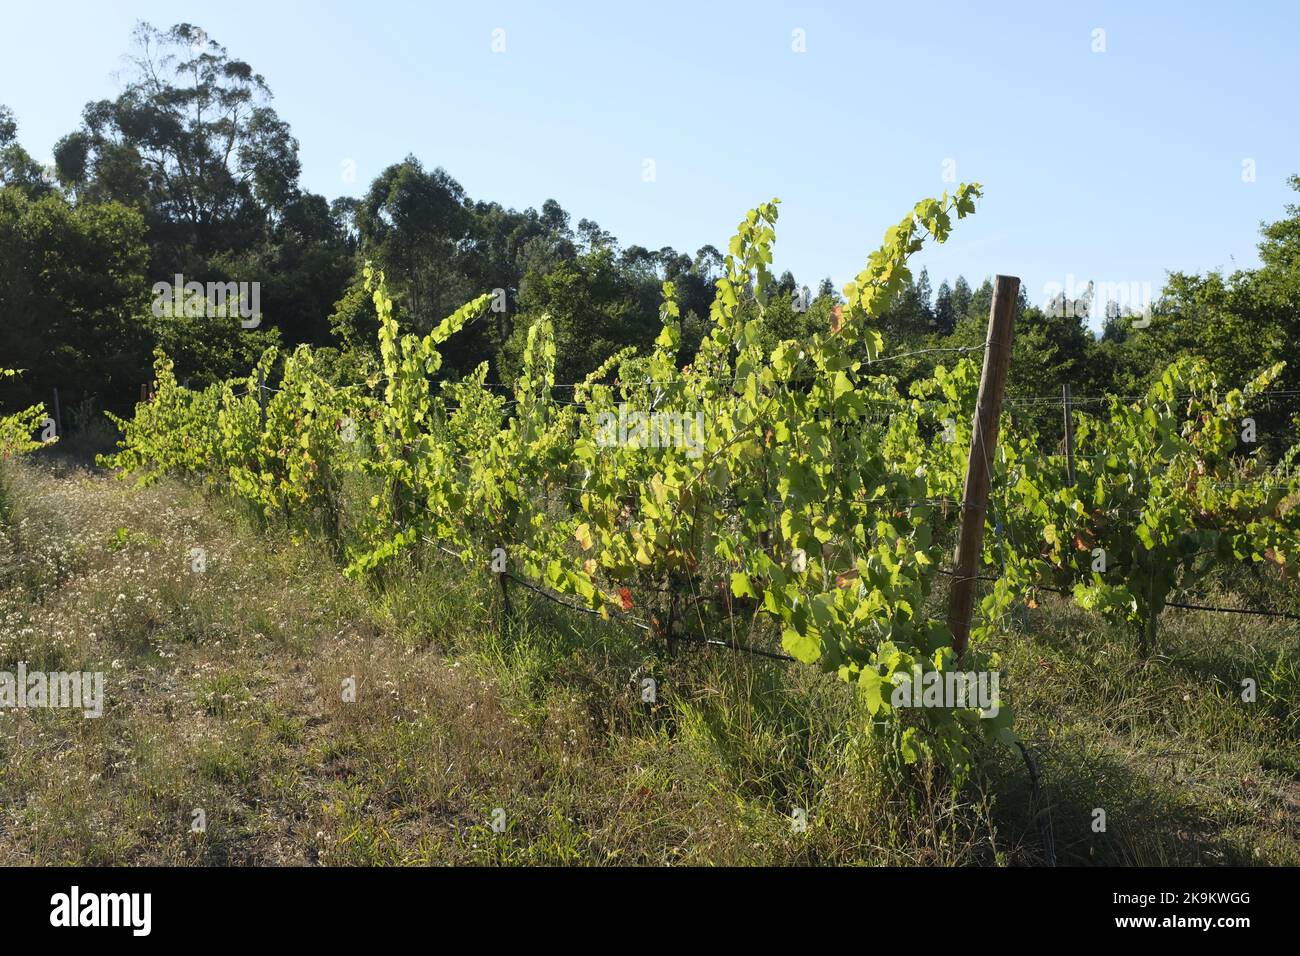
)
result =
(1116, 166)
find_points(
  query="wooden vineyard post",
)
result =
(1069, 434)
(261, 399)
(506, 614)
(58, 415)
(979, 464)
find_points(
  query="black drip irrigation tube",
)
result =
(1038, 806)
(685, 638)
(1260, 612)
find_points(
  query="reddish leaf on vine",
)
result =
(625, 598)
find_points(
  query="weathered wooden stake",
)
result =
(506, 613)
(58, 415)
(261, 399)
(1069, 434)
(979, 465)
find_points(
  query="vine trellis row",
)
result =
(803, 503)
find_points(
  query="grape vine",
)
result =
(794, 487)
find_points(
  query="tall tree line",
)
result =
(190, 171)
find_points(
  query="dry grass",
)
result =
(225, 693)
